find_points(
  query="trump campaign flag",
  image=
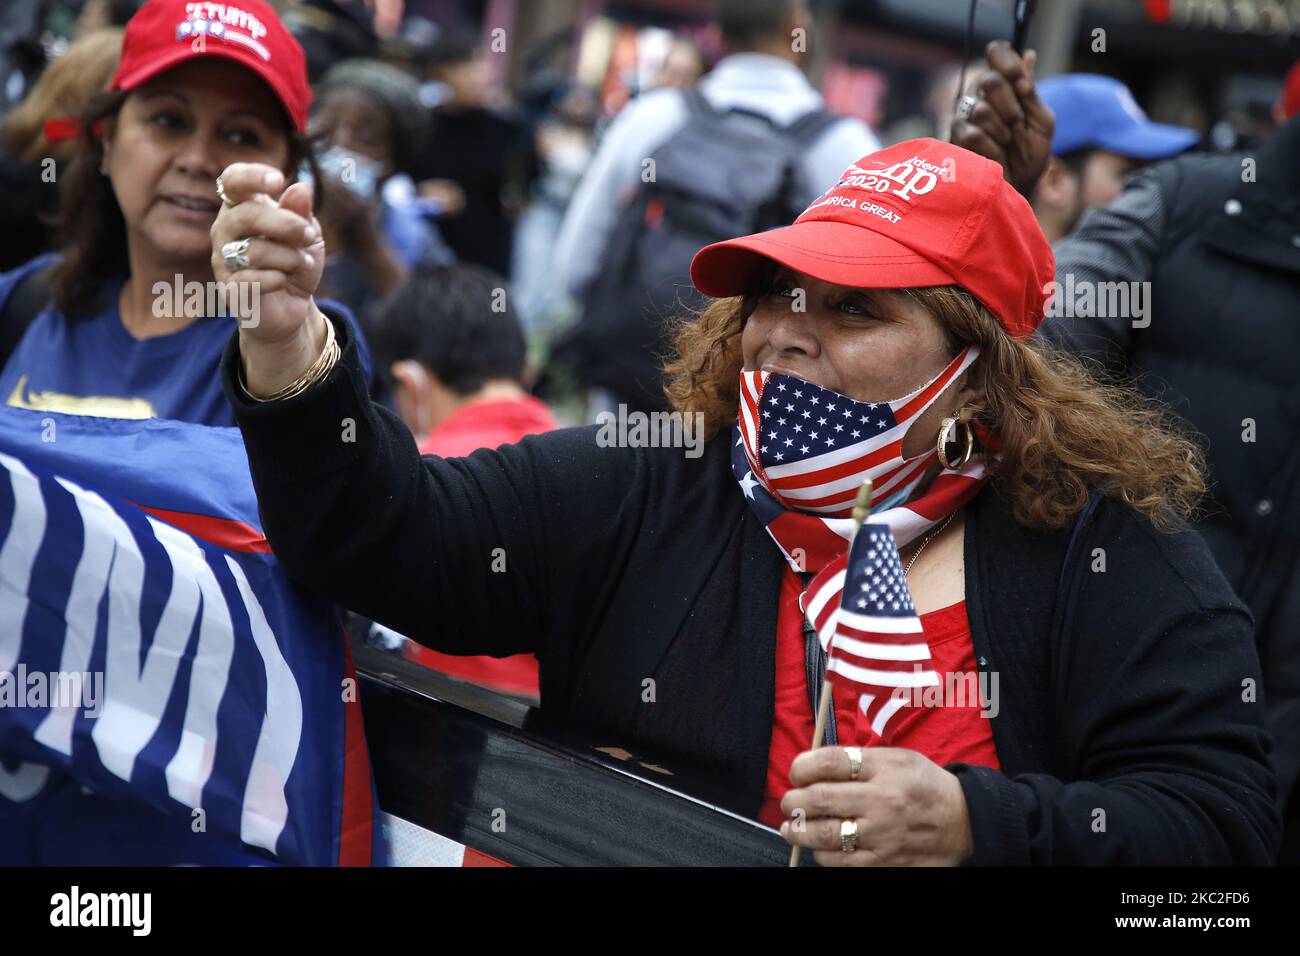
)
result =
(167, 694)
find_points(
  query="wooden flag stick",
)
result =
(861, 509)
(823, 710)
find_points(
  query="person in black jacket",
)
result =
(478, 156)
(1206, 253)
(1038, 514)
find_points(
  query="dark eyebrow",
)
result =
(154, 94)
(253, 114)
(250, 113)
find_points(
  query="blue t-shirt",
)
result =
(93, 366)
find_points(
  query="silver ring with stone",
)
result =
(235, 254)
(965, 106)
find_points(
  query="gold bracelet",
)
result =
(317, 373)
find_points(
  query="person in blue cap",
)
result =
(1102, 136)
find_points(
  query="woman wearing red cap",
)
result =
(676, 599)
(135, 320)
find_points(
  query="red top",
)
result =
(487, 424)
(947, 734)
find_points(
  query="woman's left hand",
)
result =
(909, 810)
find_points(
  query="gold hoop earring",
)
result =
(946, 438)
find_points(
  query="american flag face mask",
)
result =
(812, 447)
(803, 494)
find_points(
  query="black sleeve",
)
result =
(464, 555)
(1117, 243)
(1158, 725)
(1280, 658)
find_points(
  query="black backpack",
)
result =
(722, 175)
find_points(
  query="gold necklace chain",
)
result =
(926, 540)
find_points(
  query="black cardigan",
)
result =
(1120, 691)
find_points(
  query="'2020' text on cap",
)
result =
(920, 213)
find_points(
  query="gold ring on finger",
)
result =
(855, 761)
(221, 192)
(848, 836)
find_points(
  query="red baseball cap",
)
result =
(164, 33)
(921, 213)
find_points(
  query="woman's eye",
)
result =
(244, 137)
(855, 308)
(167, 121)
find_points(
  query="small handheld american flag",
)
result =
(878, 647)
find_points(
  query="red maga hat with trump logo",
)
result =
(165, 33)
(921, 213)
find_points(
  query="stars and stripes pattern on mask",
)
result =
(815, 539)
(811, 446)
(821, 546)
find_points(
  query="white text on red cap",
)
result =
(228, 15)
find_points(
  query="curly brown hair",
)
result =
(1066, 431)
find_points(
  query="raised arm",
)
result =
(460, 554)
(1113, 244)
(1009, 123)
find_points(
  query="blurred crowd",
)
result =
(514, 258)
(423, 158)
